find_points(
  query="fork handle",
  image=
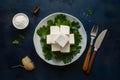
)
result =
(86, 61)
(91, 62)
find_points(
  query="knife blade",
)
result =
(99, 39)
(97, 45)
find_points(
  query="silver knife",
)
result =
(97, 45)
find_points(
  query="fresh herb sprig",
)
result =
(45, 30)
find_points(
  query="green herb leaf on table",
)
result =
(21, 36)
(15, 42)
(90, 12)
(44, 30)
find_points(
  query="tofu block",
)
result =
(66, 49)
(53, 37)
(54, 30)
(62, 40)
(48, 39)
(64, 29)
(71, 39)
(55, 47)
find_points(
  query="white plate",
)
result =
(37, 44)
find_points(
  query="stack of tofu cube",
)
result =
(60, 38)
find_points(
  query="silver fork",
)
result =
(93, 35)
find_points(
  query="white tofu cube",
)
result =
(62, 40)
(48, 39)
(55, 47)
(66, 49)
(71, 39)
(64, 29)
(54, 30)
(53, 37)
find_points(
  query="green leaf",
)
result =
(59, 20)
(43, 31)
(90, 12)
(15, 42)
(21, 36)
(49, 23)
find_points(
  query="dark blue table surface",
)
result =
(106, 14)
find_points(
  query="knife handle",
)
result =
(86, 61)
(91, 62)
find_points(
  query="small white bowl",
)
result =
(20, 21)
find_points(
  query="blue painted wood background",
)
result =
(106, 14)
